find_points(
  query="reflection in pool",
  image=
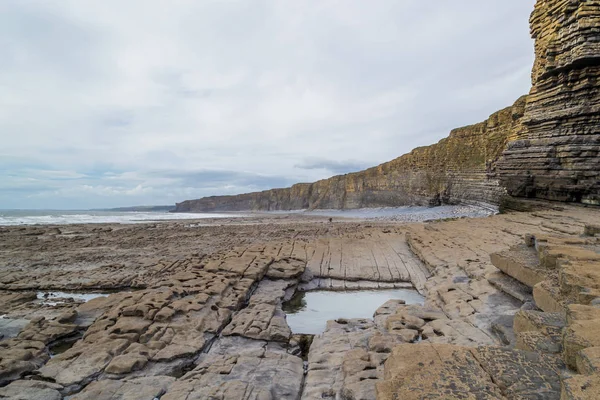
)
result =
(308, 312)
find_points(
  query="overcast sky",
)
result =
(121, 102)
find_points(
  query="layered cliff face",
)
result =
(459, 167)
(557, 154)
(545, 146)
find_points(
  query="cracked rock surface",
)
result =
(206, 319)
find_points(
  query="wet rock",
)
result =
(588, 361)
(131, 389)
(485, 373)
(19, 357)
(286, 268)
(126, 363)
(241, 369)
(31, 390)
(503, 328)
(9, 300)
(10, 328)
(581, 387)
(67, 317)
(591, 230)
(521, 263)
(263, 318)
(77, 366)
(451, 370)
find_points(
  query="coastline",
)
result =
(405, 214)
(234, 275)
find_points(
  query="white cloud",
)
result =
(98, 92)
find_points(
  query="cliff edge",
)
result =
(556, 156)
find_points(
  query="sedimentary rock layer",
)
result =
(556, 156)
(459, 167)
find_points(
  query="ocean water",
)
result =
(33, 217)
(400, 214)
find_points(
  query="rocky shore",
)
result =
(196, 309)
(545, 146)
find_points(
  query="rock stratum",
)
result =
(545, 146)
(556, 154)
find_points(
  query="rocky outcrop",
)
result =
(429, 371)
(556, 156)
(459, 167)
(556, 354)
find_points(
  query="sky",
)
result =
(107, 103)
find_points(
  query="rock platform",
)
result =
(204, 319)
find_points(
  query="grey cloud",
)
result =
(207, 98)
(335, 167)
(116, 118)
(35, 36)
(219, 178)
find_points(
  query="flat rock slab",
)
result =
(11, 327)
(339, 284)
(511, 286)
(432, 370)
(263, 318)
(134, 389)
(522, 374)
(521, 263)
(241, 369)
(149, 327)
(31, 390)
(581, 387)
(381, 258)
(339, 358)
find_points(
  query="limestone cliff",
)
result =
(546, 146)
(557, 154)
(459, 167)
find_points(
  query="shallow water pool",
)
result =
(308, 312)
(54, 298)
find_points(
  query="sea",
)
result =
(398, 214)
(64, 217)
